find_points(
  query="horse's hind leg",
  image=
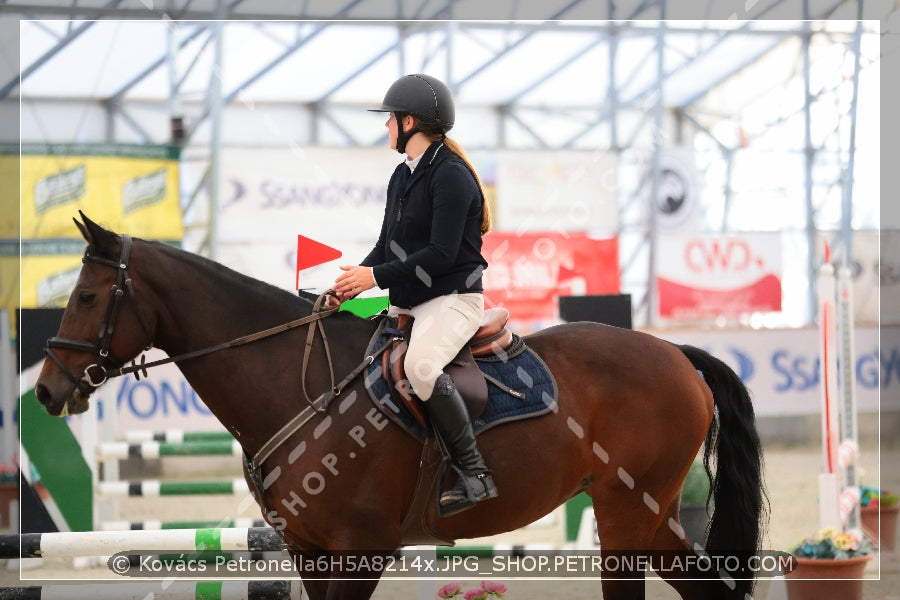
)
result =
(679, 564)
(339, 589)
(624, 539)
(315, 590)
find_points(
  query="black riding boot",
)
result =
(450, 419)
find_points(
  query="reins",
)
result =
(239, 341)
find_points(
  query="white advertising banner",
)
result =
(875, 266)
(561, 191)
(269, 196)
(328, 194)
(275, 262)
(161, 401)
(889, 278)
(781, 366)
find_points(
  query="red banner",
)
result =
(527, 272)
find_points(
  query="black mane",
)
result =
(307, 296)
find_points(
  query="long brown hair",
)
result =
(455, 148)
(436, 132)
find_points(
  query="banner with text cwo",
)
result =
(709, 275)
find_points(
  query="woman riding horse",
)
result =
(429, 256)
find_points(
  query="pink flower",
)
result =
(488, 589)
(451, 590)
(493, 587)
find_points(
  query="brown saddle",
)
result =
(491, 339)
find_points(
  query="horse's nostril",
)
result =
(42, 393)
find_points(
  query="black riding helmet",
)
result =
(421, 96)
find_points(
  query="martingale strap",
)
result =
(318, 405)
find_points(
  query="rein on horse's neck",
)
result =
(229, 305)
(188, 325)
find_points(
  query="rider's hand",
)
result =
(353, 281)
(332, 301)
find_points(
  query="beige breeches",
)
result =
(441, 328)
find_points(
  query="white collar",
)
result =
(412, 163)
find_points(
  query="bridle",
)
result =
(101, 348)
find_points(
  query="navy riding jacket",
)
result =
(430, 240)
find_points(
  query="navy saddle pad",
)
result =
(521, 370)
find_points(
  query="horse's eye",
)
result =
(86, 297)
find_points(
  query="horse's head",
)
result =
(102, 327)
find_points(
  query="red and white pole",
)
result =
(829, 490)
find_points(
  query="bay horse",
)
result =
(633, 412)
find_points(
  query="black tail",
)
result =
(740, 502)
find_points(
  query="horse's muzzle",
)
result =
(75, 400)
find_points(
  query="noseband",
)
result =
(107, 326)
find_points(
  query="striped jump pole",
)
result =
(155, 524)
(155, 449)
(175, 436)
(154, 487)
(107, 543)
(177, 590)
(491, 550)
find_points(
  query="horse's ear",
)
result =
(101, 239)
(84, 231)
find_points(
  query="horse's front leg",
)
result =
(348, 589)
(316, 586)
(342, 576)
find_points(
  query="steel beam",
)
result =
(53, 51)
(847, 189)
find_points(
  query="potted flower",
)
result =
(693, 515)
(829, 564)
(875, 503)
(487, 590)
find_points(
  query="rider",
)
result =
(428, 255)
